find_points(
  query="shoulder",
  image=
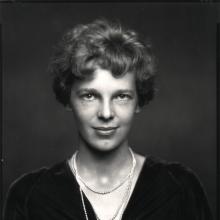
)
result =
(20, 190)
(28, 178)
(183, 175)
(18, 193)
(194, 200)
(26, 182)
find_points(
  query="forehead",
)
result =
(104, 80)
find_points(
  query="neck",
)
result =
(100, 168)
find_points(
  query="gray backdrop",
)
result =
(179, 125)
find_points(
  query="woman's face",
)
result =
(104, 107)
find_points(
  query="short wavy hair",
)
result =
(105, 45)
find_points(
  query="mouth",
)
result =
(105, 131)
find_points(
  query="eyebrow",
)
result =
(97, 92)
(79, 91)
(125, 91)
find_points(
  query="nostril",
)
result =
(106, 113)
(106, 117)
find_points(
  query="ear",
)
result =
(138, 109)
(68, 108)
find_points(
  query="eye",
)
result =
(88, 96)
(123, 97)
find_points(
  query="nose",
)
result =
(106, 112)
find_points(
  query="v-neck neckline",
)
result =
(132, 199)
(153, 188)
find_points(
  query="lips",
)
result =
(105, 128)
(105, 131)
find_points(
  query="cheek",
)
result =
(84, 112)
(125, 113)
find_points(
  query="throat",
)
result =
(111, 204)
(104, 180)
(106, 177)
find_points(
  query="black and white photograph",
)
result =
(109, 111)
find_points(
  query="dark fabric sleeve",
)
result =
(194, 203)
(17, 196)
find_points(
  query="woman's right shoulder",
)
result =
(18, 193)
(22, 188)
(25, 182)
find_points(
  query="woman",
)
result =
(104, 74)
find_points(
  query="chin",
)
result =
(103, 146)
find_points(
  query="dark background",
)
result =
(179, 125)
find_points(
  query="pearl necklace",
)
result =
(106, 191)
(125, 199)
(117, 213)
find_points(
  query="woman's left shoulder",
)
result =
(179, 172)
(182, 173)
(194, 196)
(184, 176)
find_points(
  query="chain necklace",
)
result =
(122, 205)
(125, 197)
(106, 191)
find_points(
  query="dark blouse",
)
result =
(163, 191)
